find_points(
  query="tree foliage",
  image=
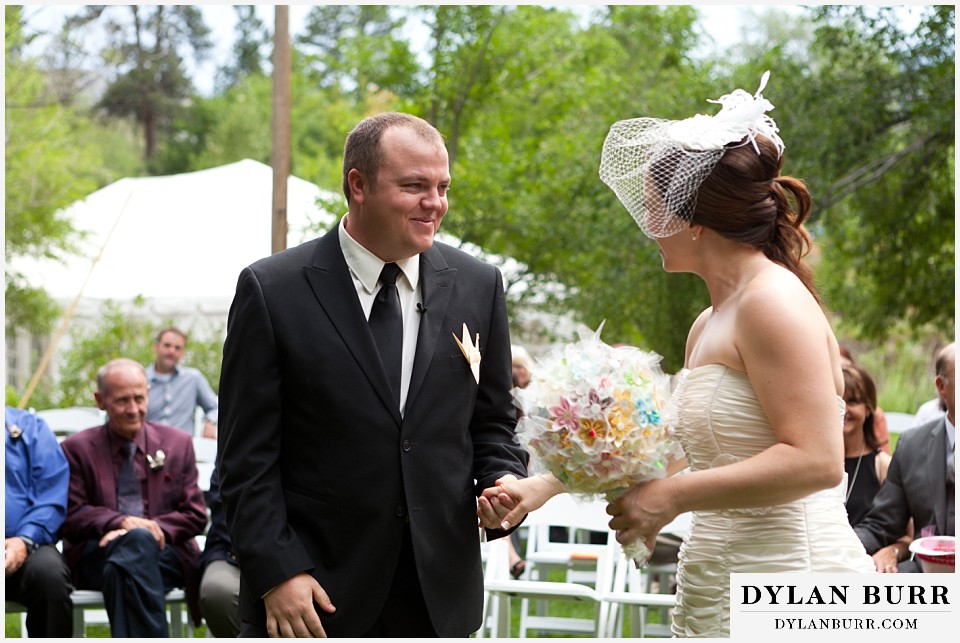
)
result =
(525, 95)
(358, 48)
(881, 157)
(145, 47)
(49, 163)
(252, 38)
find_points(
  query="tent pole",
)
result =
(281, 125)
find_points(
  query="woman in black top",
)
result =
(865, 463)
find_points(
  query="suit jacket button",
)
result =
(401, 511)
(406, 446)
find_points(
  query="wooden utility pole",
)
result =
(280, 124)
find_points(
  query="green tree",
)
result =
(868, 115)
(49, 161)
(358, 48)
(251, 38)
(145, 47)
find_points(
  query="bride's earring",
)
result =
(694, 237)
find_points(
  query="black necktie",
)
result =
(386, 324)
(129, 496)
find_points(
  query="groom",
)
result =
(350, 469)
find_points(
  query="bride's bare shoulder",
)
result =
(777, 292)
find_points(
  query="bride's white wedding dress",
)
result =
(719, 421)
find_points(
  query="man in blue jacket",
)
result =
(36, 502)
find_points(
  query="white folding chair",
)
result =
(630, 594)
(492, 556)
(592, 561)
(205, 450)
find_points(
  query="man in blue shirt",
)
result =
(37, 478)
(177, 391)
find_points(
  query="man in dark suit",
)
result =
(349, 472)
(920, 483)
(134, 507)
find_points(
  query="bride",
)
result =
(758, 404)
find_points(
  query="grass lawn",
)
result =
(12, 629)
(557, 608)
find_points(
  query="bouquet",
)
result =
(594, 416)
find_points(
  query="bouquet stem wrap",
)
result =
(595, 416)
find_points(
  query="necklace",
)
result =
(853, 480)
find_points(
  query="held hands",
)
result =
(290, 611)
(642, 511)
(505, 505)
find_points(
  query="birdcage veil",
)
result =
(656, 166)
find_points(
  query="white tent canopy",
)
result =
(180, 242)
(180, 237)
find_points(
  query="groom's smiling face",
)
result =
(399, 216)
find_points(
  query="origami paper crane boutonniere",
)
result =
(156, 462)
(471, 351)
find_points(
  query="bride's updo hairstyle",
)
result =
(746, 199)
(720, 171)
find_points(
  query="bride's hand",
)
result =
(506, 504)
(642, 511)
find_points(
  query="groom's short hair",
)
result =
(362, 148)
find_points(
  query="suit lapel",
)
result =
(436, 286)
(329, 278)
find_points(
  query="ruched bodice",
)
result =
(719, 421)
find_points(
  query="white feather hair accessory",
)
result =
(656, 166)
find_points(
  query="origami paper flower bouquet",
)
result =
(595, 416)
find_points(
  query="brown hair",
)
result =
(169, 329)
(362, 152)
(858, 384)
(746, 199)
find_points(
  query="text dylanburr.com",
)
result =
(856, 605)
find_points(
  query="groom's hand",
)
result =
(507, 503)
(494, 505)
(290, 611)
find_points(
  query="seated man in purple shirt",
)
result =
(134, 508)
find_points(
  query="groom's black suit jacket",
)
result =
(319, 472)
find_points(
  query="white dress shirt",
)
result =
(365, 270)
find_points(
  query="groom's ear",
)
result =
(358, 185)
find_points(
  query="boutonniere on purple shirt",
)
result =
(156, 461)
(470, 350)
(15, 431)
